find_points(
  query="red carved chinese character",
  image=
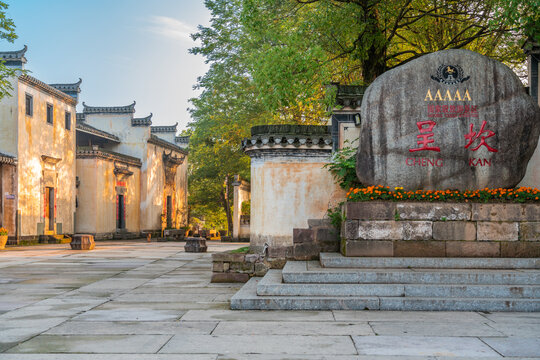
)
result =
(425, 136)
(472, 136)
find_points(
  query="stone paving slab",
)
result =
(165, 301)
(291, 328)
(134, 344)
(514, 346)
(260, 344)
(129, 314)
(230, 315)
(422, 346)
(132, 327)
(414, 328)
(42, 356)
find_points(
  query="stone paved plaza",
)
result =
(139, 300)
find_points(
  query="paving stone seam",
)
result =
(489, 346)
(166, 342)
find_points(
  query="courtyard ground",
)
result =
(139, 300)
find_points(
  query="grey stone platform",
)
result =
(409, 284)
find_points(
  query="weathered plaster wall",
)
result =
(133, 138)
(285, 193)
(8, 192)
(154, 191)
(97, 193)
(8, 121)
(182, 194)
(37, 138)
(241, 194)
(167, 136)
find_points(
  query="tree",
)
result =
(306, 43)
(7, 32)
(228, 106)
(271, 61)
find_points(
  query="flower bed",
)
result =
(379, 192)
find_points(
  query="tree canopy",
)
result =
(7, 32)
(271, 62)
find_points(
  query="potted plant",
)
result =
(3, 237)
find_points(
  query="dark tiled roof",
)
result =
(145, 121)
(68, 88)
(350, 96)
(7, 159)
(289, 136)
(83, 127)
(164, 129)
(89, 153)
(531, 47)
(14, 55)
(47, 88)
(182, 139)
(163, 143)
(128, 109)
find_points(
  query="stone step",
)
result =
(337, 260)
(272, 285)
(312, 273)
(247, 299)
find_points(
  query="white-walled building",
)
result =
(38, 136)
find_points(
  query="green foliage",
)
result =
(343, 167)
(242, 250)
(246, 207)
(271, 62)
(7, 32)
(336, 216)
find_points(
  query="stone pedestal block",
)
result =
(195, 245)
(82, 242)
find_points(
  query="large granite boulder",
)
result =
(453, 119)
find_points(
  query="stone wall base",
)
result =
(441, 229)
(435, 248)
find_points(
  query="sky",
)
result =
(123, 50)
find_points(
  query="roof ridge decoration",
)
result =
(128, 109)
(71, 87)
(14, 55)
(164, 129)
(145, 121)
(47, 88)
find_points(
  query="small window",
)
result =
(29, 105)
(68, 120)
(49, 113)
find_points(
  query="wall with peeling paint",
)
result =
(285, 193)
(37, 138)
(97, 192)
(154, 191)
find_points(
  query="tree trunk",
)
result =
(227, 205)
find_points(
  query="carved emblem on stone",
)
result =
(450, 75)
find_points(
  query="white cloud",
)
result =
(171, 28)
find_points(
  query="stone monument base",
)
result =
(429, 229)
(82, 242)
(195, 245)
